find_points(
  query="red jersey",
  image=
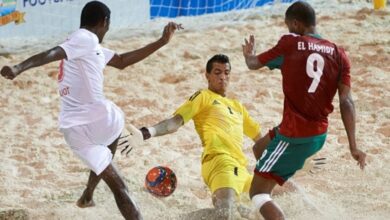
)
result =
(311, 70)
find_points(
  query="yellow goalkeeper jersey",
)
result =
(220, 122)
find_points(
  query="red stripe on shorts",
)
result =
(268, 175)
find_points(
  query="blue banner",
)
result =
(176, 8)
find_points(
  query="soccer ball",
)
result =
(160, 181)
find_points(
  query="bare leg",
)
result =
(223, 200)
(269, 210)
(126, 205)
(86, 199)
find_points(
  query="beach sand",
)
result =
(40, 175)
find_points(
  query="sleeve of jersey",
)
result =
(277, 51)
(108, 54)
(251, 127)
(77, 46)
(192, 106)
(346, 69)
(275, 63)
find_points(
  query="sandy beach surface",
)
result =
(40, 175)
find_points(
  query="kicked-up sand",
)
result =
(42, 179)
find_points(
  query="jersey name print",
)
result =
(302, 45)
(311, 71)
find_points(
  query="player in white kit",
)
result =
(91, 124)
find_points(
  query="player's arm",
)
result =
(137, 136)
(126, 59)
(183, 114)
(249, 52)
(54, 54)
(164, 127)
(252, 130)
(348, 115)
(258, 136)
(260, 145)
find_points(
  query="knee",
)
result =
(224, 208)
(220, 203)
(224, 198)
(259, 200)
(269, 210)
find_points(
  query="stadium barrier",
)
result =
(36, 19)
(43, 18)
(176, 8)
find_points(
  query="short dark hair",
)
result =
(93, 13)
(303, 12)
(218, 58)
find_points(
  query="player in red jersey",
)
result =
(313, 69)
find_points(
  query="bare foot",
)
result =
(85, 204)
(84, 201)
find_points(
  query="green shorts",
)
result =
(284, 156)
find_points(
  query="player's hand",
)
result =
(9, 72)
(360, 157)
(313, 166)
(249, 48)
(169, 29)
(134, 138)
(123, 142)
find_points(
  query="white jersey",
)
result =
(81, 80)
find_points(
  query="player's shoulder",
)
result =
(198, 94)
(321, 40)
(343, 56)
(340, 50)
(83, 36)
(290, 36)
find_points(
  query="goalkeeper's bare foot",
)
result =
(85, 201)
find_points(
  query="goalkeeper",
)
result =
(221, 123)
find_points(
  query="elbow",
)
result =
(346, 103)
(347, 107)
(120, 63)
(121, 67)
(173, 129)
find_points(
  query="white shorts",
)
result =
(89, 142)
